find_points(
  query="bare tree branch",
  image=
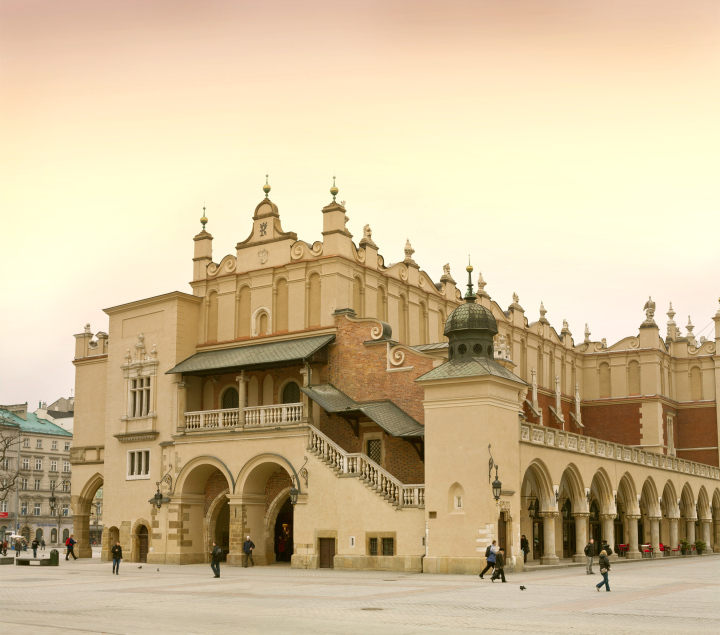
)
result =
(9, 465)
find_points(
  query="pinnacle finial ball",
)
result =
(204, 219)
(469, 268)
(334, 190)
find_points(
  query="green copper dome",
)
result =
(471, 316)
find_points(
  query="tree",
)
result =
(9, 465)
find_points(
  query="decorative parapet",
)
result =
(567, 441)
(88, 455)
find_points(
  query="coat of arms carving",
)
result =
(262, 256)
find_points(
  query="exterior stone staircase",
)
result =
(359, 465)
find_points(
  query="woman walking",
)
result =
(604, 571)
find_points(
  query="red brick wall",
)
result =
(618, 422)
(697, 428)
(549, 420)
(277, 482)
(215, 484)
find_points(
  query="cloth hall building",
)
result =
(375, 397)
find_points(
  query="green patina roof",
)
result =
(34, 425)
(471, 316)
(470, 367)
(391, 418)
(253, 356)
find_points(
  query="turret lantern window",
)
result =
(140, 396)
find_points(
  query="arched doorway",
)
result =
(222, 528)
(291, 393)
(568, 534)
(25, 533)
(53, 536)
(81, 515)
(38, 534)
(538, 538)
(66, 535)
(143, 543)
(595, 526)
(283, 533)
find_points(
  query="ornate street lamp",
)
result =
(293, 495)
(496, 486)
(158, 499)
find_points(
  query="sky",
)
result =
(570, 147)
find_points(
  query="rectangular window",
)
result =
(66, 466)
(140, 396)
(38, 464)
(5, 464)
(372, 547)
(52, 485)
(53, 512)
(388, 546)
(3, 506)
(37, 509)
(53, 466)
(54, 445)
(374, 450)
(138, 464)
(66, 487)
(23, 509)
(26, 464)
(38, 444)
(67, 445)
(23, 483)
(37, 484)
(26, 443)
(670, 436)
(66, 510)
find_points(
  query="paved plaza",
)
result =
(648, 596)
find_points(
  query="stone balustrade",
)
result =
(561, 440)
(256, 416)
(360, 465)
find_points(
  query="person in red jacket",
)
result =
(70, 544)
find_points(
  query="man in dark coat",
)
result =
(215, 557)
(70, 543)
(116, 552)
(248, 547)
(35, 545)
(490, 554)
(499, 566)
(589, 554)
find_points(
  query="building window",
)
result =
(373, 546)
(140, 396)
(38, 444)
(138, 464)
(374, 450)
(66, 487)
(66, 466)
(230, 399)
(3, 506)
(26, 464)
(37, 509)
(53, 466)
(23, 509)
(66, 509)
(291, 393)
(38, 464)
(53, 512)
(67, 445)
(670, 436)
(458, 502)
(54, 445)
(26, 443)
(388, 546)
(23, 483)
(37, 484)
(5, 464)
(52, 485)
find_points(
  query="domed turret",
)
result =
(470, 329)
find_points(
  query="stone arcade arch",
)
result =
(574, 512)
(81, 515)
(687, 514)
(650, 512)
(538, 502)
(704, 518)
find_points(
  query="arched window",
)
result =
(423, 323)
(39, 533)
(53, 536)
(261, 323)
(604, 379)
(313, 300)
(291, 393)
(230, 398)
(281, 306)
(242, 327)
(695, 384)
(212, 317)
(633, 378)
(66, 535)
(403, 318)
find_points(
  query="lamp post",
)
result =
(496, 486)
(53, 505)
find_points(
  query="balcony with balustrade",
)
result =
(244, 418)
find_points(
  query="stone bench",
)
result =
(43, 562)
(6, 559)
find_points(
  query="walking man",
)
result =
(42, 544)
(499, 571)
(248, 547)
(35, 545)
(490, 554)
(589, 552)
(606, 548)
(524, 547)
(116, 552)
(215, 556)
(18, 548)
(70, 543)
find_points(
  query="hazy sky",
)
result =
(571, 147)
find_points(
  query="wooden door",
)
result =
(502, 532)
(143, 544)
(327, 553)
(538, 542)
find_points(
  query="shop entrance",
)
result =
(283, 538)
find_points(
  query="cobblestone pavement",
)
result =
(649, 596)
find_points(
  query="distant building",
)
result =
(43, 459)
(60, 412)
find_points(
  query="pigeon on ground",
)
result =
(140, 567)
(522, 588)
(158, 568)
